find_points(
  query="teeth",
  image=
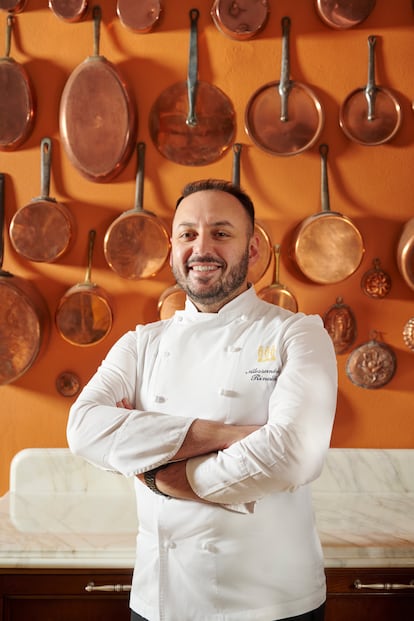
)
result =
(204, 268)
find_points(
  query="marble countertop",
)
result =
(78, 516)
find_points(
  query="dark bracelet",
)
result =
(149, 478)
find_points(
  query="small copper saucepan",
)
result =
(276, 293)
(405, 253)
(343, 14)
(13, 6)
(327, 247)
(69, 11)
(139, 16)
(84, 315)
(137, 244)
(42, 230)
(240, 20)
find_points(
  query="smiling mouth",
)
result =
(203, 268)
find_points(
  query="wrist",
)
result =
(150, 480)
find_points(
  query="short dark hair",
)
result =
(222, 186)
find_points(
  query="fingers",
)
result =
(124, 403)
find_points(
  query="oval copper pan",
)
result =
(405, 253)
(24, 318)
(17, 99)
(69, 10)
(240, 20)
(97, 117)
(13, 6)
(139, 16)
(43, 229)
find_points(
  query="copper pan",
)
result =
(139, 16)
(408, 333)
(405, 253)
(284, 118)
(13, 6)
(340, 323)
(192, 123)
(24, 318)
(42, 230)
(171, 300)
(327, 246)
(370, 115)
(259, 268)
(137, 244)
(371, 365)
(97, 117)
(69, 10)
(343, 14)
(240, 20)
(17, 99)
(84, 315)
(276, 293)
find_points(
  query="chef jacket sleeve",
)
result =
(289, 450)
(119, 439)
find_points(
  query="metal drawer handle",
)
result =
(387, 586)
(113, 588)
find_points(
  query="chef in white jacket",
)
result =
(223, 414)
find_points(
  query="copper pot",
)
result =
(240, 20)
(405, 253)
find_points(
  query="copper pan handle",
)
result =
(45, 165)
(91, 244)
(323, 150)
(237, 147)
(371, 89)
(139, 185)
(9, 28)
(192, 74)
(96, 16)
(285, 83)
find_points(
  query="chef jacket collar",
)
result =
(239, 307)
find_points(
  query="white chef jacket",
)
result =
(255, 554)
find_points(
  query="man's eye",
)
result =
(221, 234)
(187, 235)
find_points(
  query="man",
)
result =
(223, 413)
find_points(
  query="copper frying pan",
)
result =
(259, 268)
(370, 115)
(139, 16)
(327, 246)
(284, 118)
(240, 20)
(97, 117)
(405, 253)
(24, 319)
(17, 105)
(69, 10)
(14, 6)
(137, 244)
(343, 14)
(84, 315)
(42, 230)
(192, 123)
(276, 293)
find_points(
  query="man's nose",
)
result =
(202, 244)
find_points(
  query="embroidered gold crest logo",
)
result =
(266, 353)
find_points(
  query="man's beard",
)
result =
(220, 290)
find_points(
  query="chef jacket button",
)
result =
(159, 399)
(224, 392)
(170, 545)
(232, 349)
(209, 547)
(243, 318)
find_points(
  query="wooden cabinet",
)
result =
(61, 595)
(374, 594)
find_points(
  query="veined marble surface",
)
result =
(62, 512)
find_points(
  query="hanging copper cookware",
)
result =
(42, 230)
(370, 115)
(17, 99)
(69, 10)
(376, 282)
(192, 123)
(405, 253)
(140, 16)
(171, 300)
(408, 333)
(372, 364)
(137, 244)
(14, 6)
(258, 269)
(240, 20)
(97, 117)
(84, 315)
(343, 14)
(24, 318)
(276, 293)
(340, 323)
(327, 246)
(284, 118)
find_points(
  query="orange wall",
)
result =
(372, 185)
